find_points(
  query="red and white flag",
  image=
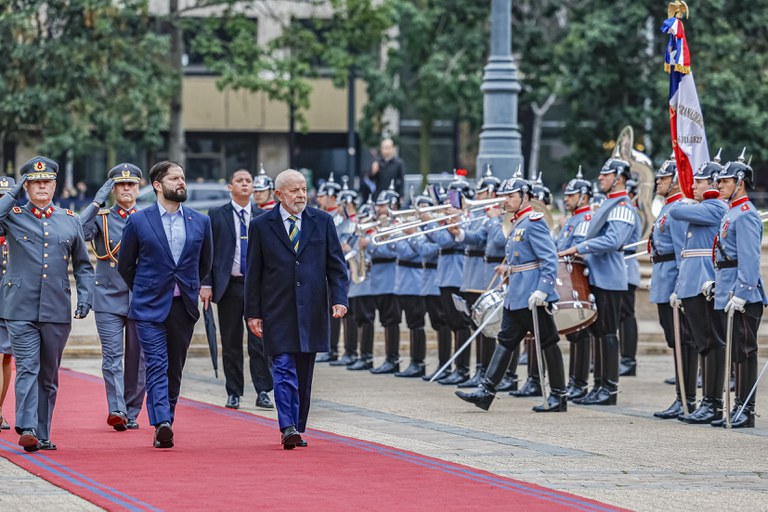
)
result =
(686, 123)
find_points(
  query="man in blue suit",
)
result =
(166, 252)
(296, 279)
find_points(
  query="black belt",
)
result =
(474, 254)
(409, 264)
(236, 279)
(660, 258)
(726, 264)
(430, 265)
(494, 259)
(444, 252)
(378, 261)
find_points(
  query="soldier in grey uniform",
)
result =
(42, 240)
(6, 184)
(103, 227)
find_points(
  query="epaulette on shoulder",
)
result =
(70, 213)
(535, 216)
(103, 211)
(16, 209)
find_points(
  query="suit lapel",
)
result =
(276, 223)
(157, 226)
(228, 211)
(308, 225)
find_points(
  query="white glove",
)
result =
(537, 298)
(708, 289)
(735, 304)
(675, 301)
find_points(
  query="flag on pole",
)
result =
(686, 123)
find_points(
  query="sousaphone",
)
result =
(640, 164)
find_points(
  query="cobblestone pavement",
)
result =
(619, 455)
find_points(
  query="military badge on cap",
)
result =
(40, 168)
(125, 173)
(6, 184)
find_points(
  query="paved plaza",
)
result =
(619, 455)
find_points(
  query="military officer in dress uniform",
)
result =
(42, 240)
(696, 269)
(6, 185)
(665, 245)
(532, 267)
(738, 285)
(478, 273)
(104, 228)
(264, 190)
(609, 230)
(578, 192)
(327, 200)
(362, 300)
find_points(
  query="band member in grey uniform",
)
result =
(119, 340)
(42, 240)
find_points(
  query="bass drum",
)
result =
(484, 306)
(576, 308)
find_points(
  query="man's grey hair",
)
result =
(288, 176)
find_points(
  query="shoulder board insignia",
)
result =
(103, 211)
(70, 213)
(745, 207)
(588, 216)
(622, 203)
(536, 216)
(16, 209)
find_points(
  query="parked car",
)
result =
(200, 196)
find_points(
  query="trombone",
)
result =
(469, 206)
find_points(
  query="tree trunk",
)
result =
(538, 121)
(2, 156)
(176, 144)
(425, 143)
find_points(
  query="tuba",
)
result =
(640, 164)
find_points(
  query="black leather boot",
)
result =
(748, 370)
(607, 393)
(708, 411)
(476, 379)
(443, 353)
(711, 407)
(557, 401)
(457, 376)
(734, 409)
(690, 374)
(461, 372)
(484, 395)
(628, 335)
(326, 357)
(532, 387)
(350, 342)
(365, 361)
(345, 360)
(580, 352)
(508, 382)
(671, 412)
(392, 349)
(417, 368)
(628, 368)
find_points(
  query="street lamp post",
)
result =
(500, 134)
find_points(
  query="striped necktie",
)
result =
(293, 232)
(243, 240)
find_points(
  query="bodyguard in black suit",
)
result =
(224, 286)
(296, 280)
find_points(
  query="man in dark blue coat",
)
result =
(296, 279)
(166, 252)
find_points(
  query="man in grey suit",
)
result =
(104, 228)
(36, 296)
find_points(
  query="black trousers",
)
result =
(703, 324)
(516, 324)
(388, 308)
(666, 319)
(456, 320)
(363, 309)
(231, 309)
(745, 326)
(414, 307)
(436, 312)
(608, 311)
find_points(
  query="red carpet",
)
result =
(231, 460)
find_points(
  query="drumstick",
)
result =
(495, 275)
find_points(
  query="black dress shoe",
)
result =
(476, 379)
(47, 445)
(481, 397)
(441, 375)
(532, 387)
(28, 440)
(263, 401)
(602, 396)
(508, 383)
(671, 412)
(628, 368)
(345, 360)
(387, 367)
(326, 357)
(290, 438)
(132, 425)
(458, 376)
(4, 424)
(575, 392)
(414, 370)
(233, 402)
(361, 364)
(744, 420)
(117, 420)
(556, 402)
(163, 436)
(707, 412)
(301, 444)
(672, 381)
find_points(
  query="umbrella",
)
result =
(210, 332)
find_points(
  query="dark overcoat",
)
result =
(292, 292)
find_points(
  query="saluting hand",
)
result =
(255, 325)
(339, 310)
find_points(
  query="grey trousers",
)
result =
(37, 348)
(120, 348)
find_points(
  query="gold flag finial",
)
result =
(677, 9)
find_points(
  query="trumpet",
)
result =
(469, 206)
